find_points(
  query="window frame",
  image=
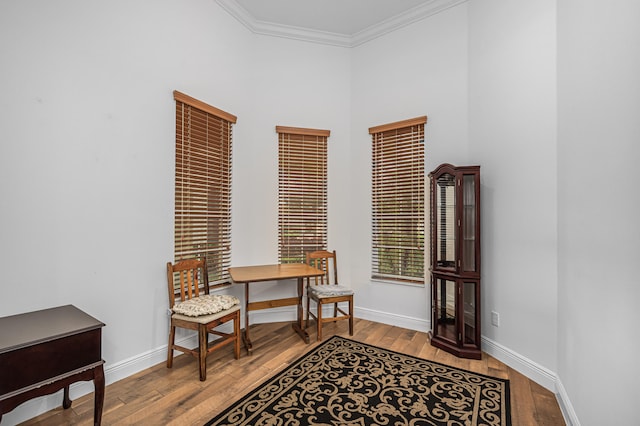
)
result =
(398, 197)
(203, 166)
(302, 181)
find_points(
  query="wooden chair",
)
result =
(199, 312)
(325, 290)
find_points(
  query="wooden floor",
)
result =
(161, 396)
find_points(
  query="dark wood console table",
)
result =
(44, 351)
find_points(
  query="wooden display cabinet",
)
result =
(455, 259)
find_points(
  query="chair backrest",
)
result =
(326, 261)
(187, 279)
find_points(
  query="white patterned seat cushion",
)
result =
(205, 305)
(330, 290)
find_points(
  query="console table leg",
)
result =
(98, 401)
(66, 401)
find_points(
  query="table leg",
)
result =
(245, 334)
(297, 326)
(98, 397)
(66, 401)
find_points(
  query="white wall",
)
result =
(294, 84)
(87, 154)
(418, 70)
(598, 199)
(512, 135)
(86, 164)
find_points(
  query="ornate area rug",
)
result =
(344, 382)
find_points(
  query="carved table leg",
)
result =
(66, 401)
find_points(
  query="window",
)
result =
(302, 192)
(203, 185)
(398, 200)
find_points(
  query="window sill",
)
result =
(394, 282)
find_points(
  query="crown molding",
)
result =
(285, 31)
(429, 8)
(410, 16)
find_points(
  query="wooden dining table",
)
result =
(278, 272)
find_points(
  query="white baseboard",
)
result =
(112, 373)
(535, 372)
(570, 416)
(522, 364)
(411, 323)
(137, 363)
(289, 314)
(532, 370)
(126, 368)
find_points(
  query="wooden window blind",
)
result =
(302, 192)
(398, 200)
(203, 185)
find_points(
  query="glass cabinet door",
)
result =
(444, 309)
(468, 223)
(445, 223)
(469, 313)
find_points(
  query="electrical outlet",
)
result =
(495, 318)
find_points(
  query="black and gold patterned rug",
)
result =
(344, 382)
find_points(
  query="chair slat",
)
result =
(181, 273)
(190, 282)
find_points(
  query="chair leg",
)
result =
(335, 309)
(351, 318)
(172, 338)
(202, 351)
(236, 333)
(307, 323)
(319, 321)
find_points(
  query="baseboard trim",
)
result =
(570, 416)
(529, 368)
(535, 372)
(137, 363)
(411, 323)
(518, 362)
(112, 373)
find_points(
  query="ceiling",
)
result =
(337, 16)
(338, 22)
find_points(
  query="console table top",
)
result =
(31, 328)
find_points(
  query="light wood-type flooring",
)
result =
(161, 396)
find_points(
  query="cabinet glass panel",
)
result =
(469, 313)
(445, 309)
(445, 221)
(469, 223)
